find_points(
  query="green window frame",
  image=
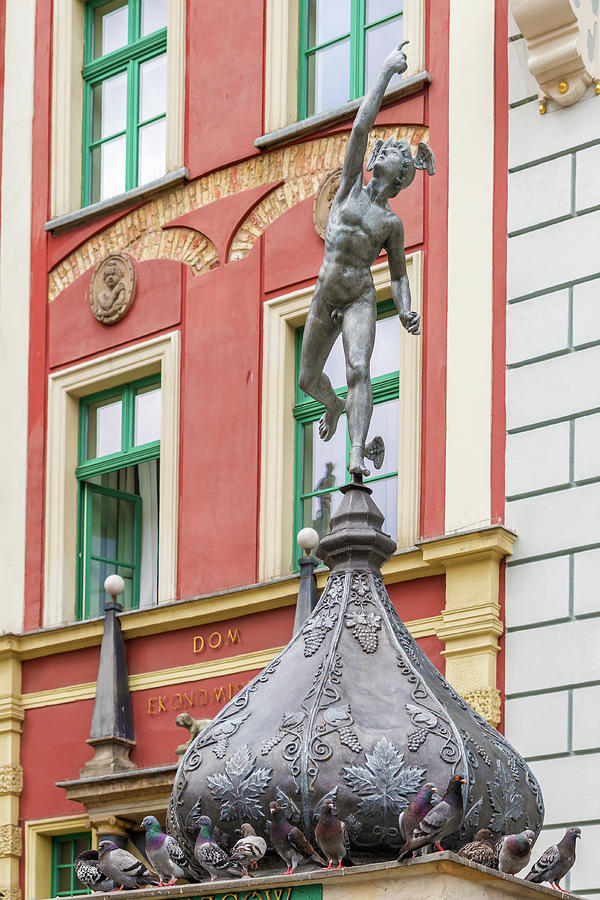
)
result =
(127, 59)
(358, 36)
(91, 493)
(65, 849)
(306, 411)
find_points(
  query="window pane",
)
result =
(329, 77)
(153, 87)
(380, 9)
(152, 153)
(147, 415)
(109, 103)
(97, 596)
(327, 19)
(379, 42)
(108, 169)
(104, 428)
(386, 352)
(64, 853)
(112, 530)
(64, 880)
(385, 495)
(317, 511)
(335, 367)
(324, 461)
(110, 27)
(385, 422)
(154, 16)
(81, 844)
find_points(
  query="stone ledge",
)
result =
(444, 876)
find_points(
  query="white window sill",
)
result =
(296, 130)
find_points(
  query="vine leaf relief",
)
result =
(240, 786)
(385, 783)
(315, 630)
(506, 802)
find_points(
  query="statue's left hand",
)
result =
(411, 321)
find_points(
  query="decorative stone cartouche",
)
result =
(351, 709)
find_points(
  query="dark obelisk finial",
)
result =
(308, 596)
(111, 734)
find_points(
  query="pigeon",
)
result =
(513, 851)
(165, 854)
(440, 821)
(480, 849)
(290, 843)
(208, 853)
(89, 874)
(416, 810)
(123, 867)
(249, 849)
(332, 836)
(556, 861)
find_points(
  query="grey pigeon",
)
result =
(332, 836)
(556, 861)
(208, 853)
(480, 849)
(165, 854)
(513, 851)
(123, 867)
(440, 821)
(249, 849)
(291, 844)
(416, 810)
(87, 870)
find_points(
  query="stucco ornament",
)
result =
(563, 43)
(112, 288)
(324, 199)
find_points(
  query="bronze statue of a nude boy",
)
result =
(360, 225)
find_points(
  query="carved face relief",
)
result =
(323, 200)
(112, 288)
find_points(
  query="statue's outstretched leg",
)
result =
(320, 333)
(358, 332)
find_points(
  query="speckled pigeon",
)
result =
(480, 849)
(440, 821)
(165, 854)
(210, 856)
(292, 846)
(123, 867)
(416, 810)
(513, 851)
(556, 861)
(332, 836)
(249, 849)
(87, 870)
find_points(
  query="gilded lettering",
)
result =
(151, 711)
(219, 694)
(233, 637)
(162, 700)
(188, 698)
(215, 644)
(277, 892)
(204, 700)
(198, 643)
(176, 701)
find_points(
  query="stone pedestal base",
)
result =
(111, 755)
(441, 876)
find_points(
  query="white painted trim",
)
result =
(281, 69)
(64, 390)
(282, 316)
(67, 99)
(470, 288)
(15, 278)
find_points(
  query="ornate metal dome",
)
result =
(352, 709)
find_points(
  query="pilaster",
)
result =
(11, 773)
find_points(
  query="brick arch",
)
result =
(141, 233)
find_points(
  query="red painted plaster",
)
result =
(74, 332)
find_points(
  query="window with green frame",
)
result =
(342, 46)
(65, 850)
(118, 475)
(124, 97)
(320, 467)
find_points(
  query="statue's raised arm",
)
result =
(365, 118)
